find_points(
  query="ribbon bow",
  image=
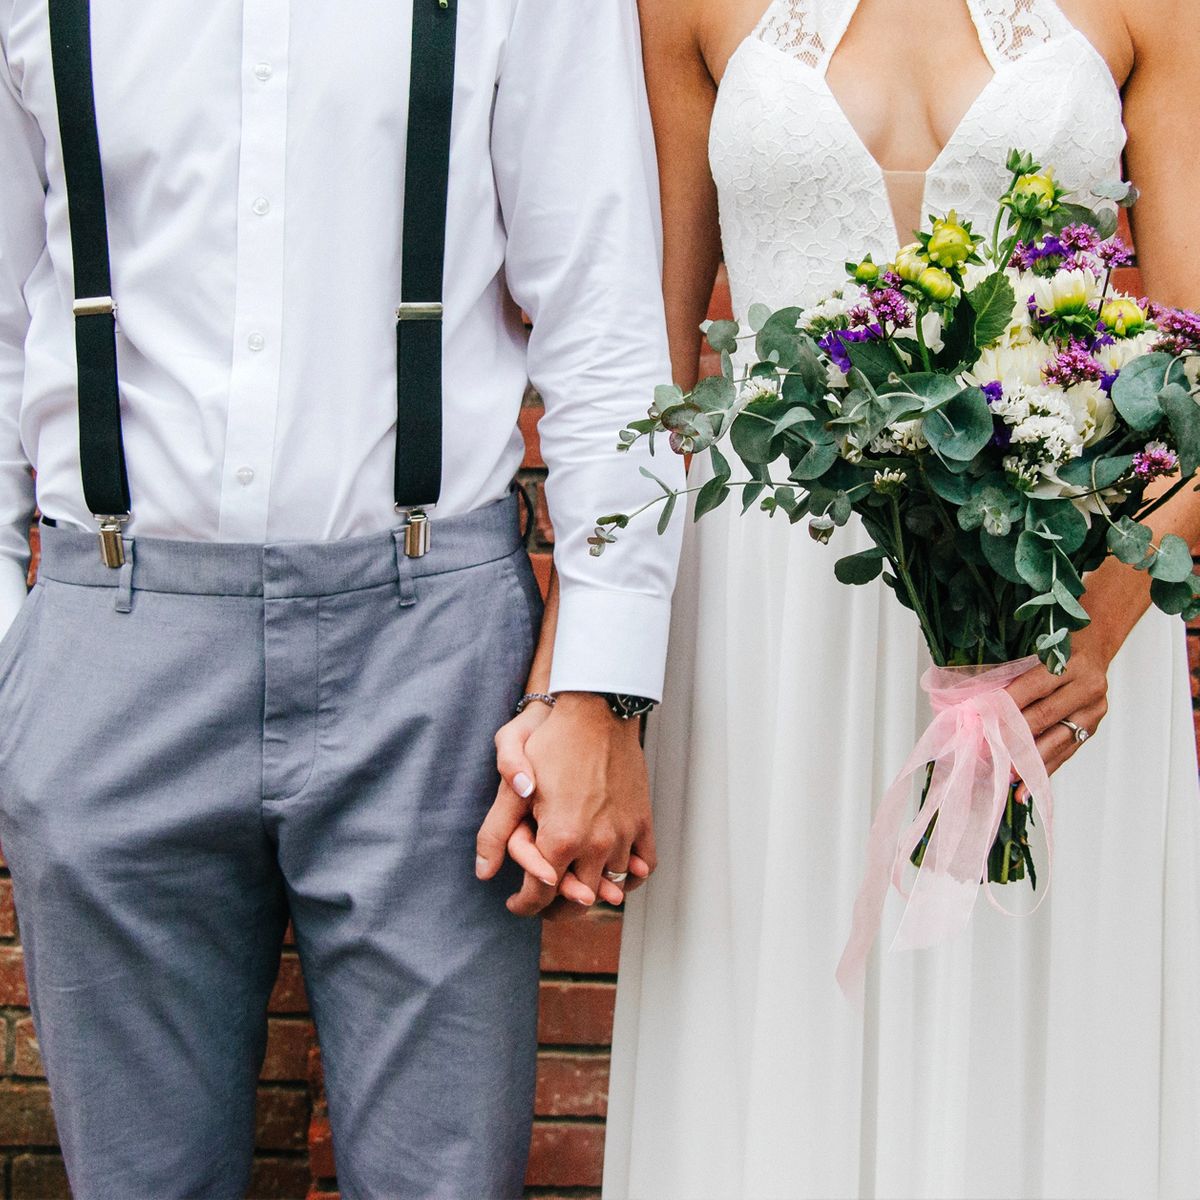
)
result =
(976, 742)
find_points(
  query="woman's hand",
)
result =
(1079, 694)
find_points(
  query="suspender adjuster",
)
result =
(419, 310)
(112, 541)
(416, 534)
(95, 306)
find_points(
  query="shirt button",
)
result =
(256, 342)
(261, 206)
(245, 476)
(263, 72)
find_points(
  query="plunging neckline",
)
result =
(999, 71)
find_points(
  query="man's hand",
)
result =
(574, 803)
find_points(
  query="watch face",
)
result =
(629, 707)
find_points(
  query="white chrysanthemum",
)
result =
(1124, 350)
(905, 437)
(1094, 412)
(1018, 365)
(837, 308)
(759, 388)
(1043, 425)
(1067, 292)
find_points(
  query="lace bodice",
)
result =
(799, 191)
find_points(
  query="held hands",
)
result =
(574, 802)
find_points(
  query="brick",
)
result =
(278, 1179)
(320, 1149)
(39, 1177)
(282, 1119)
(288, 1043)
(542, 564)
(572, 1085)
(566, 1155)
(288, 995)
(26, 1118)
(320, 1193)
(720, 307)
(27, 1056)
(13, 990)
(587, 943)
(531, 414)
(8, 914)
(576, 1014)
(1128, 279)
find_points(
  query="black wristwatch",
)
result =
(628, 708)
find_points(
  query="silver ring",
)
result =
(1081, 734)
(616, 876)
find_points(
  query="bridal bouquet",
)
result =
(994, 412)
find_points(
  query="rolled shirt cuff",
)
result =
(610, 641)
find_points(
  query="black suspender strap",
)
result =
(418, 474)
(101, 451)
(419, 315)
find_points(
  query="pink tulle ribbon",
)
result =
(977, 741)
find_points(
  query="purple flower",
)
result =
(836, 341)
(891, 307)
(1024, 256)
(860, 316)
(1156, 460)
(1080, 237)
(1107, 380)
(1114, 253)
(1073, 365)
(891, 279)
(1044, 257)
(1179, 330)
(994, 391)
(1002, 435)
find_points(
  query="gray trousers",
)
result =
(217, 737)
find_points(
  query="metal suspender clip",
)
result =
(419, 311)
(112, 540)
(416, 534)
(95, 306)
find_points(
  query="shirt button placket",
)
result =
(258, 316)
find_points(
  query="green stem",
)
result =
(901, 561)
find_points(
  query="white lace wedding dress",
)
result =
(1050, 1056)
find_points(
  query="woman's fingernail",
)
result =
(523, 785)
(480, 865)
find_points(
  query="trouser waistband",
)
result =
(282, 569)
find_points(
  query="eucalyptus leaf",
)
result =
(750, 493)
(666, 395)
(860, 568)
(1172, 598)
(722, 336)
(876, 360)
(758, 316)
(1129, 541)
(1183, 414)
(779, 340)
(818, 459)
(1096, 472)
(712, 495)
(1173, 562)
(1062, 519)
(668, 512)
(1032, 607)
(1035, 561)
(1001, 556)
(961, 429)
(714, 394)
(1135, 392)
(1068, 603)
(951, 486)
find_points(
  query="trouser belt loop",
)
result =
(406, 580)
(123, 602)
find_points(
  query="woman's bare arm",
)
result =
(682, 93)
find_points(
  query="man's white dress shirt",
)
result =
(254, 170)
